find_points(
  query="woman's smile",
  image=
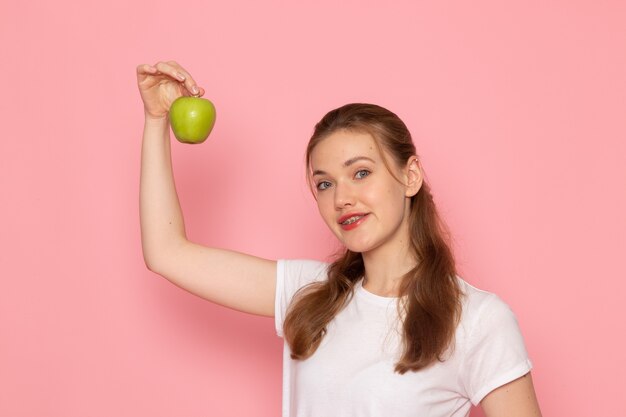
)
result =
(353, 222)
(355, 191)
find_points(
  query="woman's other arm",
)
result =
(515, 399)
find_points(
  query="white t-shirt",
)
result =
(352, 371)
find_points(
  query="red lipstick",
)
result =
(354, 224)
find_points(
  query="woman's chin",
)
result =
(358, 244)
(357, 247)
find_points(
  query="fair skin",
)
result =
(247, 283)
(232, 279)
(515, 399)
(366, 186)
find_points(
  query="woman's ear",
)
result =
(413, 176)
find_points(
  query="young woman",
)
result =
(388, 328)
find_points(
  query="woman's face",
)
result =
(351, 179)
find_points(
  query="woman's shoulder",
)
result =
(479, 304)
(491, 346)
(473, 297)
(303, 266)
(295, 273)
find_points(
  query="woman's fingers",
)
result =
(144, 70)
(173, 70)
(189, 82)
(167, 69)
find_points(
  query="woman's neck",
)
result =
(384, 269)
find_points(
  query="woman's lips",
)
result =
(355, 224)
(348, 216)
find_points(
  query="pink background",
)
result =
(517, 109)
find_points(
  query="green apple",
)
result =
(192, 119)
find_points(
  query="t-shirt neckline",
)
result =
(378, 299)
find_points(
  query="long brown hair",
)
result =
(430, 297)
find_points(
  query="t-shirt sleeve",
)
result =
(291, 275)
(495, 353)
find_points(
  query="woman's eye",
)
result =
(320, 185)
(363, 170)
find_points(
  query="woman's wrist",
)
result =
(157, 120)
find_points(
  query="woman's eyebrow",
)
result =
(346, 164)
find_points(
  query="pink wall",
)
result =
(517, 109)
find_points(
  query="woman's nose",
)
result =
(344, 195)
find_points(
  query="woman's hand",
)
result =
(161, 84)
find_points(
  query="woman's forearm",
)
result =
(161, 218)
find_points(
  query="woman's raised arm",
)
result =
(232, 279)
